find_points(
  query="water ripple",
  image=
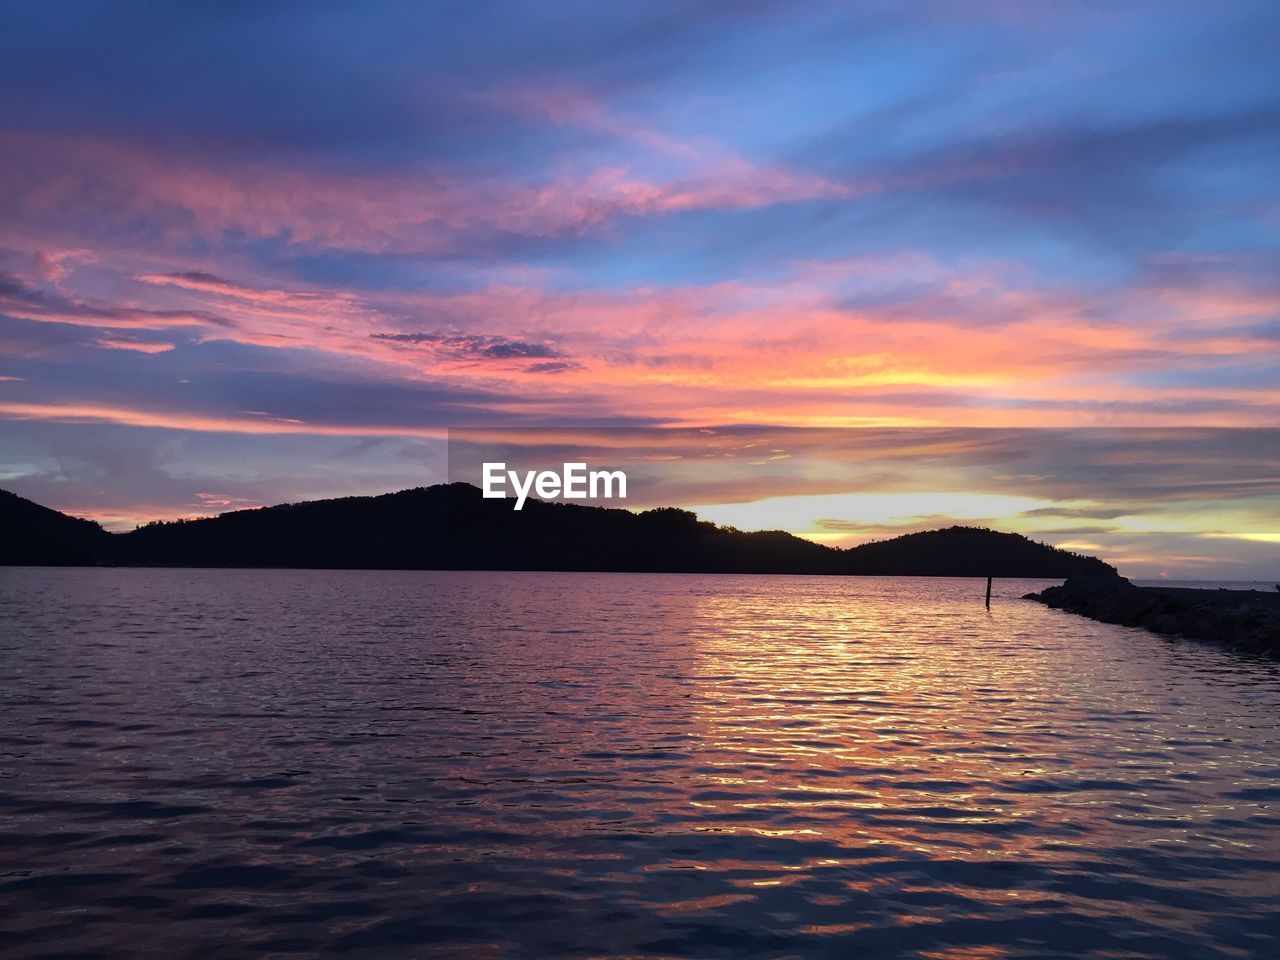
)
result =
(288, 763)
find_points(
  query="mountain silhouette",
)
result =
(453, 527)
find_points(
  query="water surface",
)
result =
(207, 763)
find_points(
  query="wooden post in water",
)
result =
(988, 593)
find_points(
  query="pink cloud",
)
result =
(896, 339)
(68, 180)
(225, 500)
(246, 423)
(138, 346)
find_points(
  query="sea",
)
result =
(287, 763)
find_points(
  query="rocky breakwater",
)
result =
(1245, 619)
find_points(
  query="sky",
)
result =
(264, 252)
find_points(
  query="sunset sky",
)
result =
(252, 253)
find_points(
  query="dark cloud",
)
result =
(933, 521)
(20, 299)
(1078, 513)
(1077, 531)
(198, 276)
(466, 346)
(554, 366)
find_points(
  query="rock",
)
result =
(1245, 619)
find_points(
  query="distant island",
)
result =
(452, 527)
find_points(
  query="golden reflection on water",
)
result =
(924, 734)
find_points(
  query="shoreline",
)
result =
(1239, 619)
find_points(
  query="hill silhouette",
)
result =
(957, 551)
(35, 535)
(454, 527)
